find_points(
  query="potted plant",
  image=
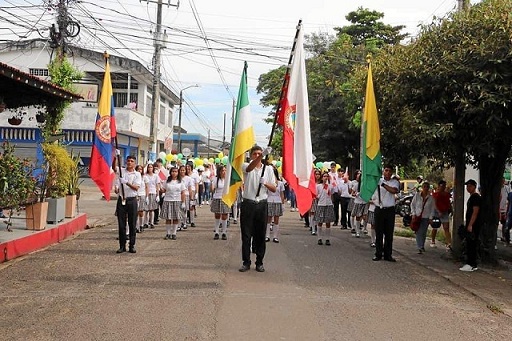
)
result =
(17, 185)
(57, 179)
(74, 182)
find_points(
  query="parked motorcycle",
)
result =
(403, 207)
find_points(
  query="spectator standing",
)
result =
(442, 210)
(473, 226)
(422, 205)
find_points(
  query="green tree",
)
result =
(448, 94)
(366, 25)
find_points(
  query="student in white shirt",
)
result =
(325, 208)
(153, 182)
(173, 203)
(218, 207)
(275, 208)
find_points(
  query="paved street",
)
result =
(190, 289)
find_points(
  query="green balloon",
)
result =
(180, 156)
(278, 164)
(217, 160)
(319, 165)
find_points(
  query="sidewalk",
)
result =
(92, 211)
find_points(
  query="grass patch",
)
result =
(495, 308)
(405, 233)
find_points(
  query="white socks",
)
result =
(268, 231)
(224, 226)
(175, 229)
(276, 231)
(168, 227)
(216, 226)
(372, 233)
(327, 233)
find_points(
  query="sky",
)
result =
(208, 42)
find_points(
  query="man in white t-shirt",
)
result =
(385, 215)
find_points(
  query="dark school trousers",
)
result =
(253, 225)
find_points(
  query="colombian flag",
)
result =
(102, 153)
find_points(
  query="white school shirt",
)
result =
(252, 181)
(152, 181)
(132, 177)
(276, 196)
(343, 188)
(189, 182)
(173, 190)
(324, 195)
(387, 199)
(141, 192)
(218, 188)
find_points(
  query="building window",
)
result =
(38, 72)
(169, 119)
(162, 114)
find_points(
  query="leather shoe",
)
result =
(260, 268)
(132, 250)
(375, 258)
(121, 250)
(390, 259)
(244, 268)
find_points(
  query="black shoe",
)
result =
(267, 239)
(244, 268)
(132, 250)
(224, 237)
(335, 224)
(192, 225)
(173, 237)
(216, 236)
(121, 250)
(167, 236)
(390, 259)
(320, 242)
(327, 242)
(376, 259)
(275, 240)
(260, 268)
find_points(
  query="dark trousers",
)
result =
(344, 221)
(306, 218)
(472, 243)
(126, 213)
(384, 229)
(336, 202)
(200, 194)
(157, 211)
(253, 225)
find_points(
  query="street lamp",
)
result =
(179, 117)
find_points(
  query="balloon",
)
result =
(221, 155)
(225, 160)
(168, 157)
(199, 162)
(205, 160)
(174, 157)
(326, 164)
(161, 155)
(274, 162)
(180, 156)
(278, 164)
(338, 166)
(319, 164)
(280, 169)
(217, 160)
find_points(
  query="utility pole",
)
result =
(158, 42)
(208, 143)
(462, 5)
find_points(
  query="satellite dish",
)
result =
(186, 152)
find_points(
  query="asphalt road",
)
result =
(190, 289)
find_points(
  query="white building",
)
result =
(132, 87)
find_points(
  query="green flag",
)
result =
(371, 165)
(243, 140)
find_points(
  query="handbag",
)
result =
(416, 220)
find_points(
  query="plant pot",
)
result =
(14, 121)
(70, 206)
(40, 118)
(56, 210)
(35, 216)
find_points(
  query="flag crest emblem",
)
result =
(103, 129)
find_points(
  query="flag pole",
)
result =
(283, 93)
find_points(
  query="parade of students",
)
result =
(153, 193)
(275, 208)
(219, 209)
(174, 201)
